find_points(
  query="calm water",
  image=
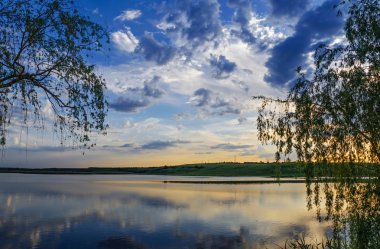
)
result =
(44, 211)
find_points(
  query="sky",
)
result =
(180, 79)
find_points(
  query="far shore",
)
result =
(284, 172)
(225, 169)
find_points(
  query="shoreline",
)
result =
(276, 171)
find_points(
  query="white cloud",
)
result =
(125, 40)
(266, 35)
(165, 26)
(48, 111)
(128, 15)
(181, 78)
(129, 124)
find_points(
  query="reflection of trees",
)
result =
(352, 204)
(330, 121)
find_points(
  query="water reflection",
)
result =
(140, 212)
(352, 202)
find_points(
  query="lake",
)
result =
(135, 211)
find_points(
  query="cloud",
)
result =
(138, 97)
(319, 24)
(251, 28)
(125, 104)
(125, 40)
(242, 16)
(212, 103)
(204, 153)
(197, 22)
(117, 148)
(219, 102)
(288, 8)
(129, 124)
(242, 85)
(161, 145)
(242, 120)
(260, 151)
(155, 51)
(44, 148)
(150, 88)
(228, 109)
(200, 97)
(230, 147)
(222, 67)
(126, 146)
(128, 15)
(181, 116)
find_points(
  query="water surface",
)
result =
(134, 211)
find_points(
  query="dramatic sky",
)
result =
(180, 77)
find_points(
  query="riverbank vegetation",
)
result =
(288, 169)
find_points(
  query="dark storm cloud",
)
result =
(135, 98)
(155, 51)
(242, 16)
(222, 67)
(161, 145)
(319, 24)
(288, 8)
(196, 21)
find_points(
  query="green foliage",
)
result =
(331, 120)
(353, 209)
(207, 169)
(43, 46)
(333, 115)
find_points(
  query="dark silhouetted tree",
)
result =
(43, 50)
(331, 120)
(334, 114)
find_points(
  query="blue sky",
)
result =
(180, 76)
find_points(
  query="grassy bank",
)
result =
(209, 169)
(220, 169)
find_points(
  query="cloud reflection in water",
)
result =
(136, 212)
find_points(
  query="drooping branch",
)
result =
(334, 114)
(42, 48)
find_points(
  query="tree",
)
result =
(331, 119)
(333, 115)
(43, 49)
